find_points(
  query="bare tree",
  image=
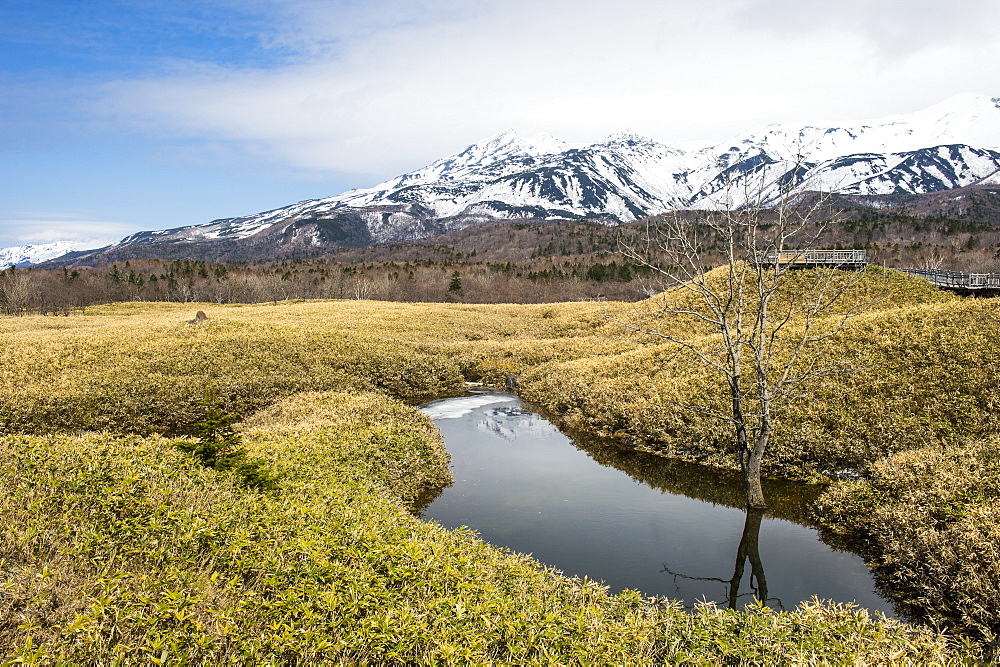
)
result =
(764, 338)
(15, 291)
(363, 289)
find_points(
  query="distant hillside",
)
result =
(508, 262)
(975, 203)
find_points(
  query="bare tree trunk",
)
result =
(761, 315)
(750, 464)
(750, 459)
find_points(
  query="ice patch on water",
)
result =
(453, 408)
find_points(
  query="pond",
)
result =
(631, 519)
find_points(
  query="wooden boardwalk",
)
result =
(844, 259)
(972, 283)
(957, 280)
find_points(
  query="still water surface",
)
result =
(631, 519)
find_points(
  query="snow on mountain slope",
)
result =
(625, 177)
(33, 254)
(628, 176)
(472, 164)
(618, 178)
(968, 119)
(924, 170)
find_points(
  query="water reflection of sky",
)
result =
(456, 408)
(522, 484)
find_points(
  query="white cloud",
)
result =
(48, 227)
(382, 87)
(895, 28)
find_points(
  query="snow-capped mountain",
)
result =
(33, 254)
(962, 119)
(624, 177)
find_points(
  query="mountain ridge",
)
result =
(625, 177)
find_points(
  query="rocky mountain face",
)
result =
(955, 144)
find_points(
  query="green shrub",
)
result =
(219, 447)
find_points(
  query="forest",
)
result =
(516, 262)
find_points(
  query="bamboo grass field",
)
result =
(119, 548)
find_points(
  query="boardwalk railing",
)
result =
(843, 258)
(957, 279)
(858, 259)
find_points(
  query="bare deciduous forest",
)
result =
(514, 262)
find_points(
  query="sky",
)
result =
(124, 115)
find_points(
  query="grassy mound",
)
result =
(146, 370)
(930, 521)
(141, 368)
(123, 549)
(921, 372)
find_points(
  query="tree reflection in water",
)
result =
(748, 551)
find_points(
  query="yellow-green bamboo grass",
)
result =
(923, 367)
(924, 381)
(930, 520)
(142, 538)
(145, 370)
(121, 550)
